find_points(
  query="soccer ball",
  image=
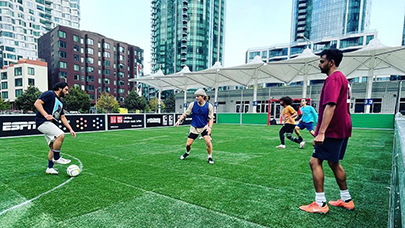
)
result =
(73, 170)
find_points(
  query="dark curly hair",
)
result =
(286, 100)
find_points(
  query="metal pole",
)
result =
(398, 103)
(254, 105)
(216, 98)
(185, 101)
(241, 106)
(305, 82)
(159, 100)
(370, 80)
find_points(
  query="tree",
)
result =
(134, 102)
(170, 103)
(7, 105)
(27, 99)
(78, 100)
(153, 104)
(2, 105)
(107, 103)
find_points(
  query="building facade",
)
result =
(91, 61)
(24, 21)
(319, 19)
(187, 32)
(16, 78)
(403, 34)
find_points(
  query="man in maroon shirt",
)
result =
(332, 133)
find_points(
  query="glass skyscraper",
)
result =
(187, 32)
(22, 22)
(318, 19)
(403, 34)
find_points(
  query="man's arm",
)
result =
(39, 105)
(315, 114)
(327, 117)
(66, 123)
(185, 114)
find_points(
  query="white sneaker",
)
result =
(302, 144)
(281, 146)
(61, 161)
(51, 171)
(201, 137)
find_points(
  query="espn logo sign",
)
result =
(19, 126)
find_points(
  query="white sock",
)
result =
(345, 195)
(210, 156)
(320, 198)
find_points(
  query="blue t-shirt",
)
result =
(200, 115)
(309, 114)
(52, 105)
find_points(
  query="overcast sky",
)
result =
(248, 23)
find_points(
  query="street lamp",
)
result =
(308, 41)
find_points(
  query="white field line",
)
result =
(44, 193)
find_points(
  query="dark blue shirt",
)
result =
(52, 105)
(200, 115)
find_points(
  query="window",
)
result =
(63, 65)
(76, 57)
(3, 75)
(90, 87)
(375, 107)
(90, 51)
(106, 72)
(62, 74)
(106, 55)
(4, 95)
(122, 58)
(18, 92)
(75, 38)
(62, 44)
(122, 49)
(76, 47)
(18, 82)
(402, 106)
(107, 46)
(89, 60)
(107, 63)
(107, 89)
(90, 78)
(76, 77)
(76, 67)
(31, 71)
(106, 81)
(121, 90)
(121, 83)
(31, 81)
(18, 71)
(89, 41)
(62, 54)
(4, 85)
(90, 69)
(62, 34)
(121, 74)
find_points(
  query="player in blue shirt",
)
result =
(49, 110)
(202, 114)
(309, 116)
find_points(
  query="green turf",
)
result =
(135, 178)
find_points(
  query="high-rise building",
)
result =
(319, 19)
(403, 34)
(187, 32)
(91, 61)
(24, 21)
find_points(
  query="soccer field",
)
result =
(135, 178)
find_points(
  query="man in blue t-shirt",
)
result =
(309, 116)
(202, 114)
(49, 109)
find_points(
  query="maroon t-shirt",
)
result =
(336, 90)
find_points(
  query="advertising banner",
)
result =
(159, 120)
(125, 121)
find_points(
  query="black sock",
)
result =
(56, 154)
(50, 164)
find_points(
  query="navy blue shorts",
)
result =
(331, 150)
(309, 126)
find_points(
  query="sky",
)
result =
(248, 24)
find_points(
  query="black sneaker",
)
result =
(210, 161)
(182, 157)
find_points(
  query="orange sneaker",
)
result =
(340, 203)
(315, 208)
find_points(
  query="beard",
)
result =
(324, 70)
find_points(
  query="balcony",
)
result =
(184, 40)
(184, 28)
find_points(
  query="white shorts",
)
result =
(51, 131)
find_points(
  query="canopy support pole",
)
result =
(369, 89)
(159, 101)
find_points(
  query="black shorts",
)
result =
(331, 150)
(194, 136)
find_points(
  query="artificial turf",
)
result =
(135, 178)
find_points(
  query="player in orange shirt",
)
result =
(289, 115)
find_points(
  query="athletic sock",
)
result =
(320, 198)
(50, 164)
(210, 156)
(56, 154)
(345, 195)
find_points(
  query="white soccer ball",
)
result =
(73, 170)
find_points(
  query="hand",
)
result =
(73, 133)
(177, 123)
(319, 139)
(209, 129)
(49, 117)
